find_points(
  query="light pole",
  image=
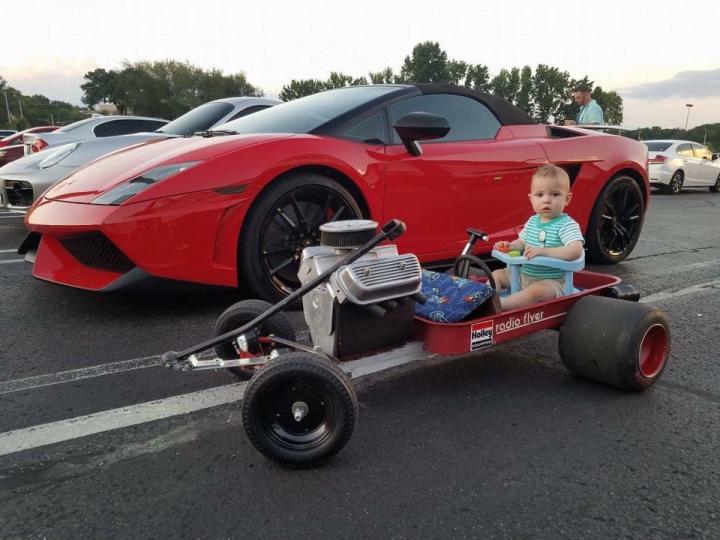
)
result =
(688, 105)
(7, 106)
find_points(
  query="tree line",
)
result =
(544, 93)
(19, 111)
(170, 88)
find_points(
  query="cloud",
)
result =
(686, 84)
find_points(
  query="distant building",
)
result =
(106, 108)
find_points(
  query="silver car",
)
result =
(24, 180)
(90, 128)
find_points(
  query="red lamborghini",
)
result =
(236, 206)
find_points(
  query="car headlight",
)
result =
(124, 191)
(58, 155)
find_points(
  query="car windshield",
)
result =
(199, 119)
(658, 146)
(75, 125)
(305, 114)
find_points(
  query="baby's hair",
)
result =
(553, 172)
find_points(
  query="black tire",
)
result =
(676, 183)
(285, 219)
(616, 221)
(715, 188)
(242, 313)
(622, 291)
(620, 343)
(304, 380)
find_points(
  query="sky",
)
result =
(658, 55)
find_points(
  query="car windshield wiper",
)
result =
(214, 132)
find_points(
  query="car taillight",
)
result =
(658, 159)
(38, 145)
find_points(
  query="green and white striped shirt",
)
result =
(558, 232)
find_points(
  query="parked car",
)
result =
(97, 126)
(26, 179)
(674, 165)
(6, 132)
(17, 137)
(11, 147)
(240, 208)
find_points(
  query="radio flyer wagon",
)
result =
(299, 407)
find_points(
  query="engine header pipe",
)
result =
(391, 230)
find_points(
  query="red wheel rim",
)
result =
(653, 351)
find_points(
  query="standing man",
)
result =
(590, 112)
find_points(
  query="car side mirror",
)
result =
(420, 126)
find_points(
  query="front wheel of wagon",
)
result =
(241, 313)
(620, 343)
(299, 410)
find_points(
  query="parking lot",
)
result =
(97, 440)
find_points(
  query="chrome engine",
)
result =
(363, 306)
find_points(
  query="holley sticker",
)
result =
(481, 335)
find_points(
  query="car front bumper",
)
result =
(191, 237)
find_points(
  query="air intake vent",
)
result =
(96, 251)
(349, 234)
(368, 281)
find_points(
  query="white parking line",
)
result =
(700, 287)
(82, 426)
(8, 250)
(9, 216)
(73, 375)
(12, 261)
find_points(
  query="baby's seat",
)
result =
(515, 262)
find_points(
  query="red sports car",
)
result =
(237, 206)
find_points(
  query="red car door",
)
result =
(467, 179)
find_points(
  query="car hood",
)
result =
(94, 148)
(107, 172)
(25, 164)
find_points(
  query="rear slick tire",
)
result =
(616, 342)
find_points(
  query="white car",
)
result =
(97, 126)
(674, 165)
(22, 181)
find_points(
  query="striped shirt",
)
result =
(557, 232)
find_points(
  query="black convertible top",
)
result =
(506, 113)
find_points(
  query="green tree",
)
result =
(301, 88)
(163, 88)
(549, 92)
(506, 84)
(611, 104)
(457, 71)
(524, 94)
(386, 76)
(428, 63)
(478, 77)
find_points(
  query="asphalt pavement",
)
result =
(96, 440)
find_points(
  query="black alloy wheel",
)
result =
(716, 187)
(616, 221)
(300, 410)
(676, 183)
(285, 221)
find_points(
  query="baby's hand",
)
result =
(532, 251)
(502, 245)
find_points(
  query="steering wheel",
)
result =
(464, 263)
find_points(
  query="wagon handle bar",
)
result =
(392, 229)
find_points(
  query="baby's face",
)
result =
(548, 197)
